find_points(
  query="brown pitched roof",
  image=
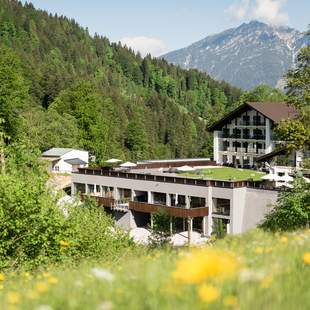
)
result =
(275, 111)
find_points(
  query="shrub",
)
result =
(31, 225)
(92, 233)
(161, 234)
(292, 210)
(34, 231)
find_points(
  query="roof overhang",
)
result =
(270, 155)
(275, 111)
(50, 158)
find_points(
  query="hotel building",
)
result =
(247, 133)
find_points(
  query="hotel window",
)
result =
(246, 134)
(225, 145)
(256, 120)
(221, 206)
(80, 188)
(225, 132)
(245, 120)
(237, 133)
(90, 188)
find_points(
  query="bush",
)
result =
(160, 232)
(292, 210)
(31, 225)
(34, 231)
(92, 233)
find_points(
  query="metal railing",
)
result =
(171, 179)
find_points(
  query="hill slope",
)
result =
(246, 56)
(90, 93)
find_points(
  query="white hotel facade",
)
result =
(247, 133)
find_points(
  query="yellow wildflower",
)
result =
(46, 274)
(230, 301)
(41, 287)
(13, 298)
(26, 275)
(64, 243)
(1, 287)
(268, 250)
(259, 250)
(201, 264)
(2, 277)
(307, 258)
(266, 282)
(284, 239)
(208, 293)
(52, 280)
(32, 294)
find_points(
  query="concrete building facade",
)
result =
(132, 198)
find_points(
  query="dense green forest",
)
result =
(60, 86)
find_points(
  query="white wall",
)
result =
(65, 167)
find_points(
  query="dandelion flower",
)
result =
(259, 250)
(64, 243)
(201, 264)
(284, 239)
(266, 282)
(208, 293)
(307, 258)
(32, 294)
(2, 277)
(41, 287)
(13, 298)
(26, 275)
(52, 280)
(230, 301)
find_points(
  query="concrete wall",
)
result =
(257, 204)
(124, 220)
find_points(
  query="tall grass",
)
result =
(269, 271)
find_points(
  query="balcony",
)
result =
(172, 211)
(235, 136)
(246, 137)
(225, 135)
(259, 137)
(259, 123)
(245, 123)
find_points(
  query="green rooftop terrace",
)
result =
(224, 174)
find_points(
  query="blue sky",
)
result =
(163, 25)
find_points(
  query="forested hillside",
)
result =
(59, 86)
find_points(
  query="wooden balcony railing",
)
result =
(173, 211)
(101, 201)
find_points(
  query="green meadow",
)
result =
(255, 271)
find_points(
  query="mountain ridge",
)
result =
(248, 55)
